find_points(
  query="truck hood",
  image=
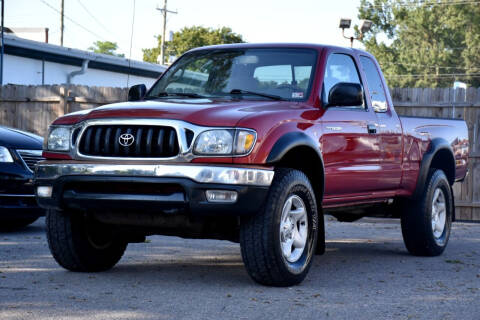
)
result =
(203, 112)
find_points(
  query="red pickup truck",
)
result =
(251, 143)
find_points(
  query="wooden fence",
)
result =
(33, 108)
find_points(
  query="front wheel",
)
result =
(278, 243)
(81, 244)
(427, 222)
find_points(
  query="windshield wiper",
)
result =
(241, 91)
(176, 94)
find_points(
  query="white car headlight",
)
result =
(5, 155)
(214, 142)
(59, 139)
(225, 142)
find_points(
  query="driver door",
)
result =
(350, 144)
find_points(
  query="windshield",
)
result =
(284, 74)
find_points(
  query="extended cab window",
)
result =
(284, 73)
(340, 68)
(375, 85)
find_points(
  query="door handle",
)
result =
(372, 128)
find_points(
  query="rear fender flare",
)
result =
(436, 145)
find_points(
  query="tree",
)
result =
(428, 44)
(189, 38)
(106, 47)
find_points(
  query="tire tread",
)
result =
(257, 239)
(68, 246)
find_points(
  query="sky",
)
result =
(314, 21)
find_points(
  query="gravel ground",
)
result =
(365, 274)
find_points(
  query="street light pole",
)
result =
(351, 38)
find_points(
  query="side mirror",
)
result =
(346, 94)
(137, 92)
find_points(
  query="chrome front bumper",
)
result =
(50, 170)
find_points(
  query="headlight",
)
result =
(5, 155)
(214, 142)
(225, 142)
(59, 139)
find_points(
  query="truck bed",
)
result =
(420, 131)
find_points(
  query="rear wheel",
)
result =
(279, 242)
(427, 222)
(81, 244)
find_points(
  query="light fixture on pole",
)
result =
(345, 23)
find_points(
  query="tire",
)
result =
(15, 224)
(262, 240)
(80, 244)
(422, 219)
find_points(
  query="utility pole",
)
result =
(164, 12)
(61, 24)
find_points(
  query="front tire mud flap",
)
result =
(321, 247)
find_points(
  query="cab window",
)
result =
(375, 85)
(340, 68)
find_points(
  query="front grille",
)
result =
(31, 157)
(147, 142)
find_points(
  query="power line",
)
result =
(440, 75)
(131, 41)
(93, 17)
(71, 20)
(427, 66)
(422, 4)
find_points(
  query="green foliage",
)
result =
(106, 47)
(189, 38)
(428, 43)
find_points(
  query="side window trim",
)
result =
(324, 94)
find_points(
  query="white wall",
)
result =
(20, 70)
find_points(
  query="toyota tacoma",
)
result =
(252, 143)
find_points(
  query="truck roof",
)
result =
(314, 46)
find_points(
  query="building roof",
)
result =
(49, 52)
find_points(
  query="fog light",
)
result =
(44, 191)
(221, 196)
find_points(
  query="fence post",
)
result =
(62, 99)
(65, 94)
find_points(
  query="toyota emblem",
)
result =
(126, 140)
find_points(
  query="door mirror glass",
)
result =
(137, 92)
(346, 94)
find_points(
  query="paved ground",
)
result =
(366, 274)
